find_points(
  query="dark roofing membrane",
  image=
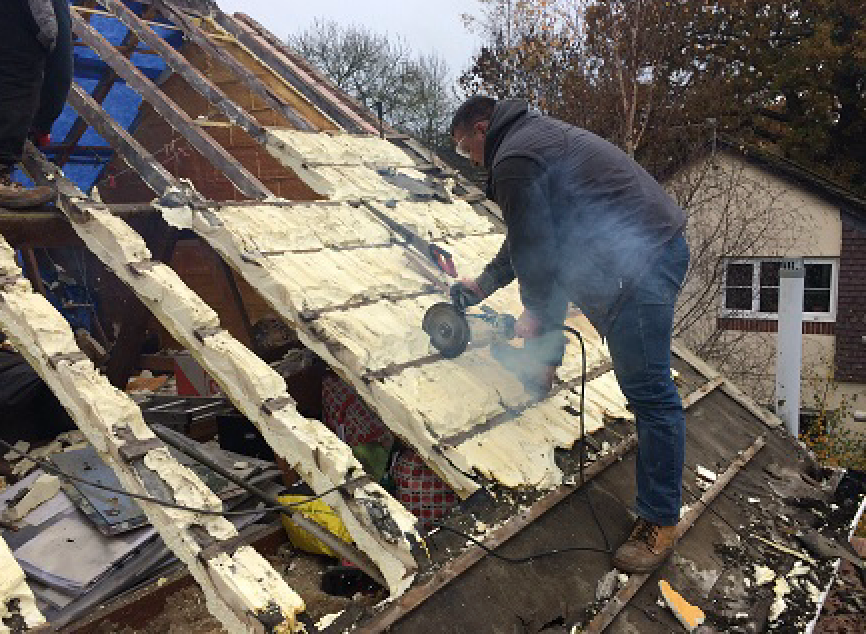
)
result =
(555, 593)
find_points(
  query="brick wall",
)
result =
(851, 312)
(746, 324)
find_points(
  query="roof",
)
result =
(356, 293)
(851, 203)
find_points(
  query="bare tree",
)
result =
(374, 68)
(732, 213)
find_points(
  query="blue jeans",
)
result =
(640, 347)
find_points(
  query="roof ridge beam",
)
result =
(174, 115)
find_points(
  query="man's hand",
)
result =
(528, 326)
(466, 293)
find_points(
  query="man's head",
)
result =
(469, 127)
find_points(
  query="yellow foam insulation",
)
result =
(107, 417)
(333, 278)
(690, 616)
(434, 220)
(362, 311)
(308, 446)
(16, 598)
(341, 148)
(301, 227)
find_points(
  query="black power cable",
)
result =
(521, 560)
(607, 550)
(288, 508)
(47, 466)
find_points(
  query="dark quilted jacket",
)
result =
(584, 220)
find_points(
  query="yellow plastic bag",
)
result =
(321, 514)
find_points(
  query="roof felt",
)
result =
(550, 594)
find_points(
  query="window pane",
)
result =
(739, 275)
(738, 298)
(818, 275)
(815, 301)
(770, 273)
(769, 302)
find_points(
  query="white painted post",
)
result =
(789, 343)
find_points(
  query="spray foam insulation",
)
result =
(308, 446)
(358, 303)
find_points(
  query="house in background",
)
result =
(749, 209)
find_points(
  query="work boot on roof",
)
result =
(16, 196)
(648, 546)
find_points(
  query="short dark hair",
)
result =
(476, 108)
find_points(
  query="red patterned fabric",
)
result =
(349, 417)
(419, 489)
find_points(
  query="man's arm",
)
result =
(498, 273)
(531, 234)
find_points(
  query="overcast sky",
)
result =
(427, 25)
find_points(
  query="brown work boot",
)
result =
(15, 196)
(647, 546)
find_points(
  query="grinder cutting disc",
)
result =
(448, 329)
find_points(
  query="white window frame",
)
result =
(754, 313)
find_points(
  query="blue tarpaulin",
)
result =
(89, 159)
(122, 103)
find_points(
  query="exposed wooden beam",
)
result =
(100, 92)
(240, 586)
(194, 33)
(128, 148)
(174, 115)
(702, 391)
(201, 84)
(311, 86)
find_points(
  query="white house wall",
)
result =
(807, 225)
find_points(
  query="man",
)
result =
(29, 33)
(585, 223)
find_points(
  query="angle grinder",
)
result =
(448, 327)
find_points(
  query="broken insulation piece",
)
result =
(689, 615)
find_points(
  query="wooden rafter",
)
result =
(79, 127)
(131, 151)
(199, 37)
(182, 67)
(174, 115)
